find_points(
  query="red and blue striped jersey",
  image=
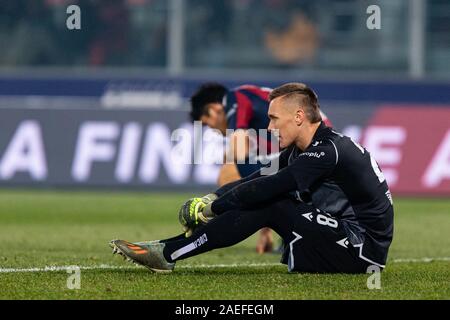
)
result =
(246, 107)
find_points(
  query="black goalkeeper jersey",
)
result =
(337, 176)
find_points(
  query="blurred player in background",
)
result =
(241, 108)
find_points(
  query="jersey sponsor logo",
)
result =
(312, 154)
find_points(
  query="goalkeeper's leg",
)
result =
(178, 237)
(233, 227)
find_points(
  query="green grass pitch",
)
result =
(39, 229)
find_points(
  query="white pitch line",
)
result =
(63, 268)
(187, 266)
(419, 260)
(111, 267)
(233, 265)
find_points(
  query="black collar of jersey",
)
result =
(322, 132)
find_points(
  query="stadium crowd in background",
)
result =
(280, 34)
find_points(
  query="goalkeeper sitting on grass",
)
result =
(329, 201)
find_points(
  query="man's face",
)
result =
(216, 116)
(286, 119)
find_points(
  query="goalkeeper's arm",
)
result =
(198, 210)
(282, 162)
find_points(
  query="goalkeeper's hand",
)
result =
(195, 212)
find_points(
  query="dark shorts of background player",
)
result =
(316, 242)
(246, 169)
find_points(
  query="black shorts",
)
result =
(319, 243)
